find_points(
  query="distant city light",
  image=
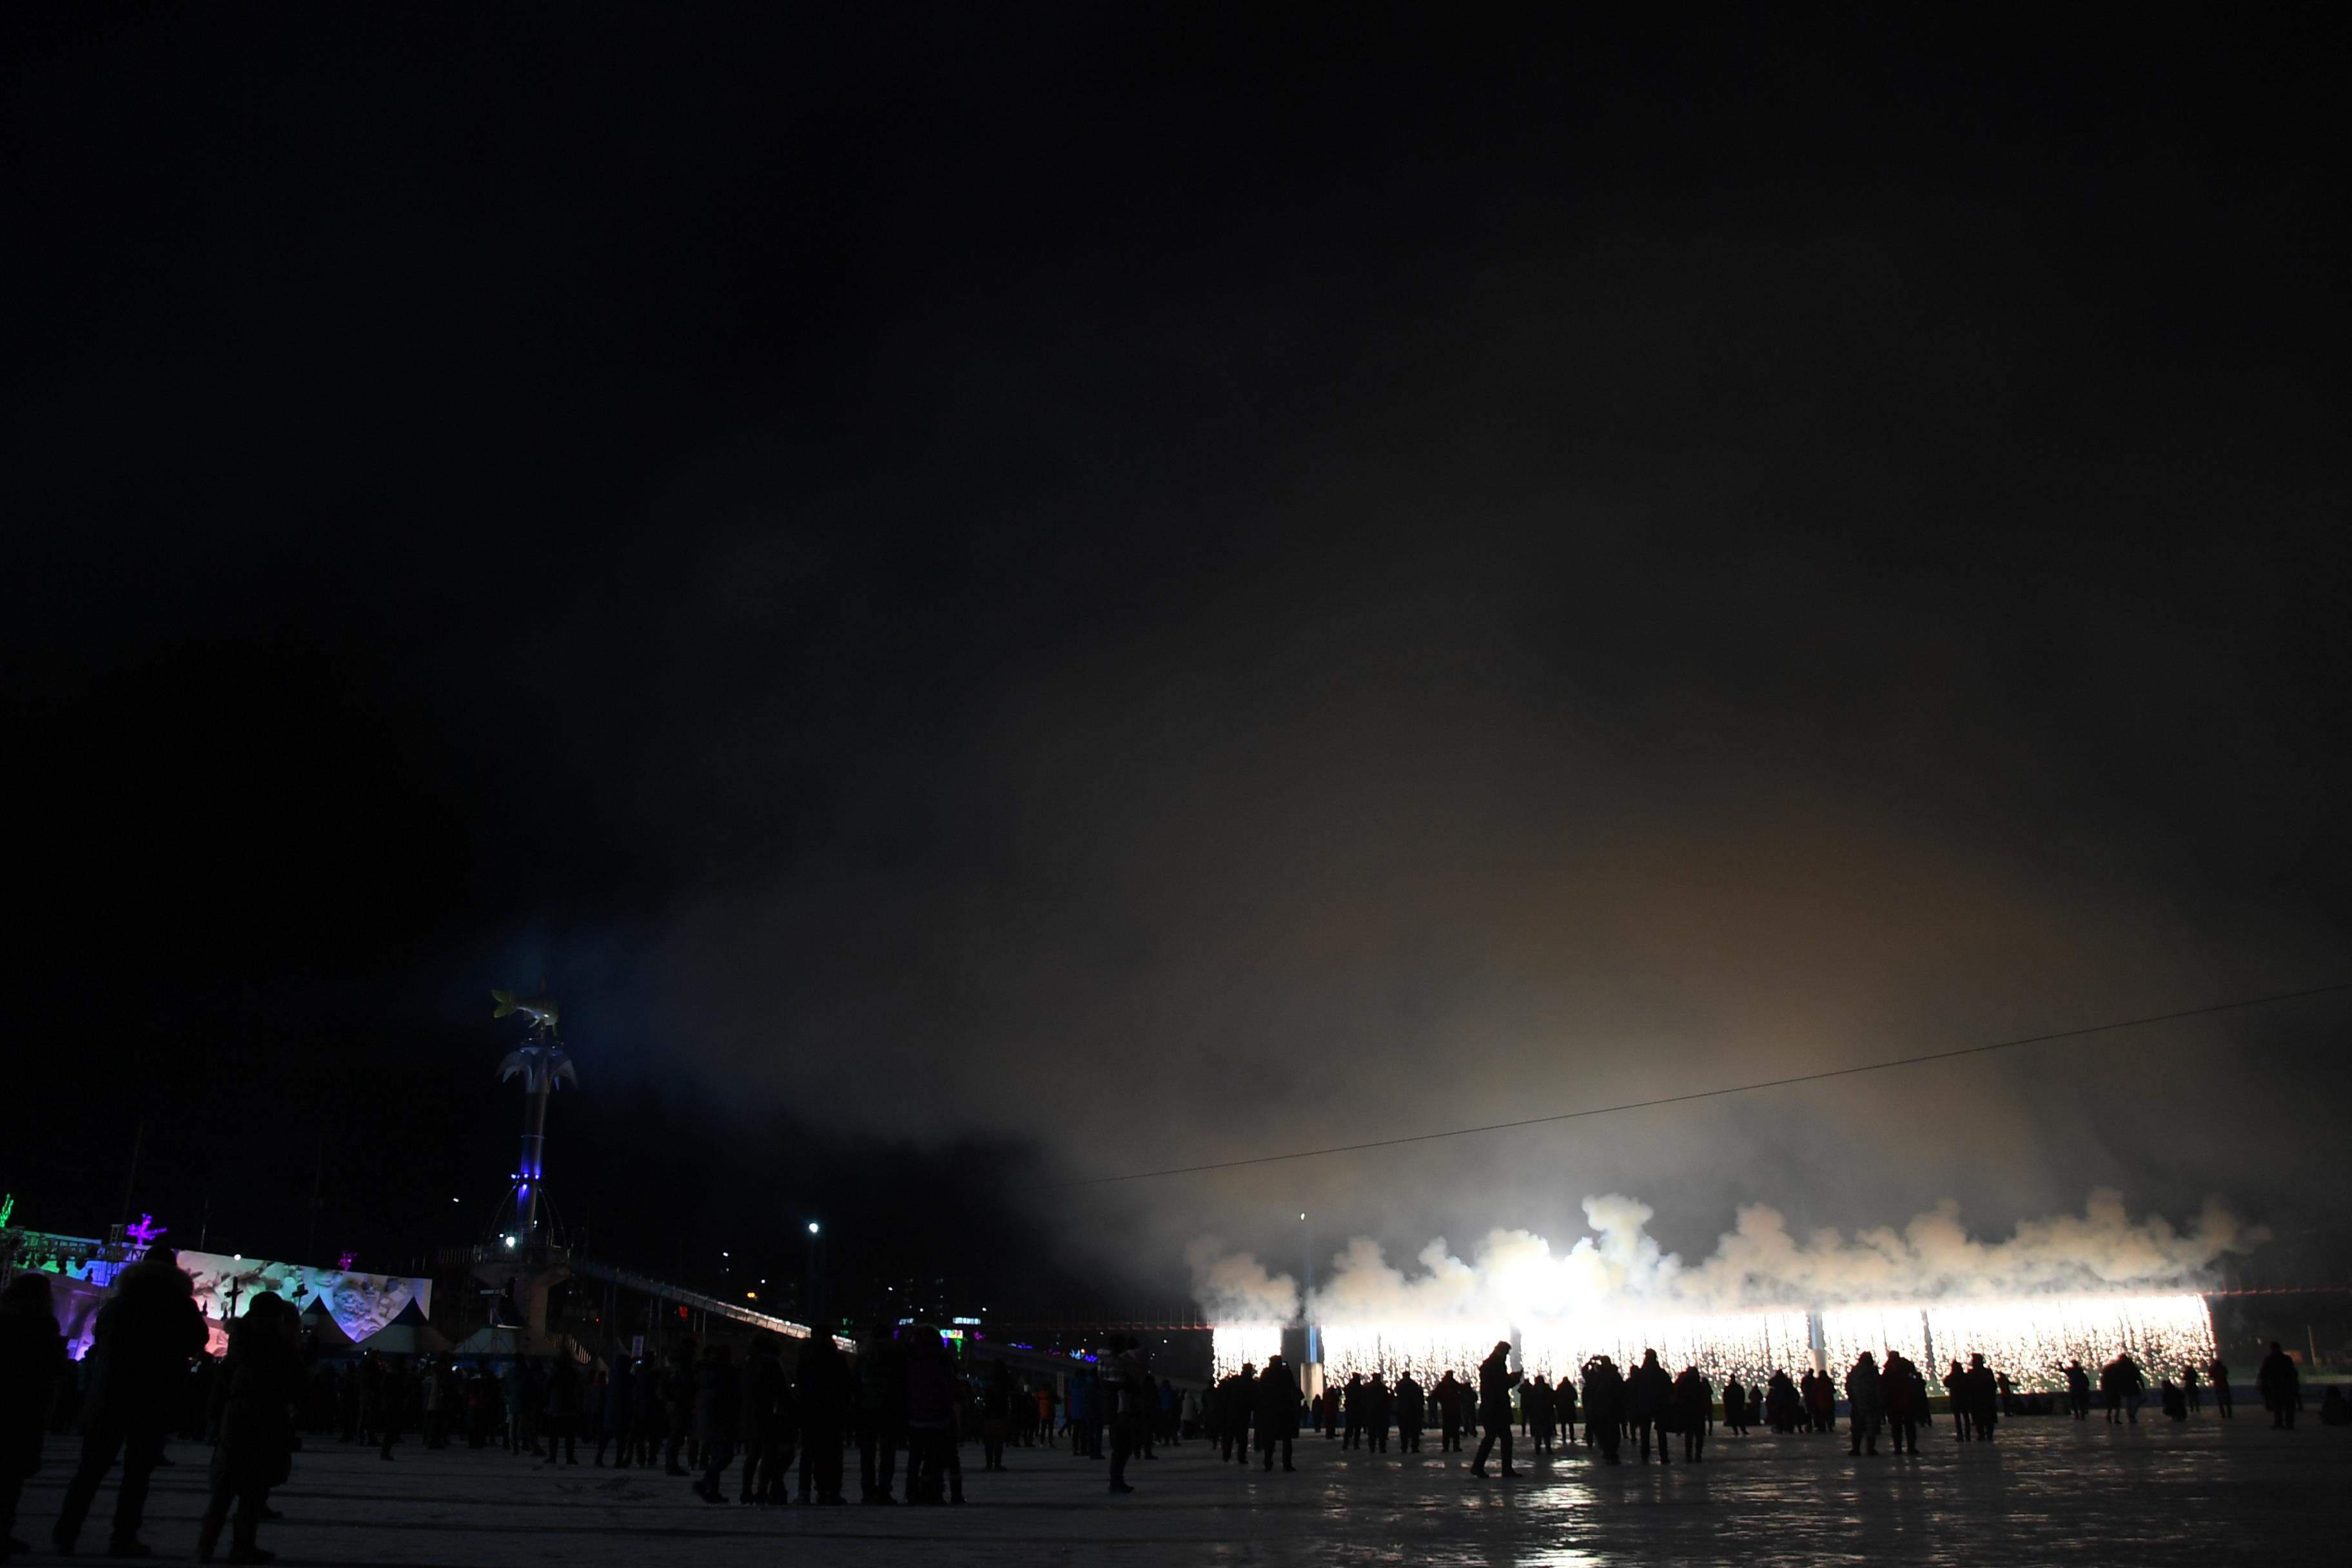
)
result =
(812, 1227)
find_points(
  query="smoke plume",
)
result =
(1513, 1276)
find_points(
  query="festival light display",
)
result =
(2031, 1340)
(360, 1303)
(1230, 1344)
(1393, 1349)
(1720, 1343)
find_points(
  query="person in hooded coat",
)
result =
(1495, 1381)
(1735, 1405)
(253, 1411)
(31, 1359)
(146, 1338)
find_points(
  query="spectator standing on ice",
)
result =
(1277, 1411)
(253, 1402)
(1413, 1408)
(2217, 1374)
(1651, 1391)
(2281, 1386)
(1604, 1407)
(145, 1338)
(1495, 1381)
(1865, 1403)
(32, 1359)
(1905, 1395)
(1984, 1397)
(718, 1420)
(1694, 1411)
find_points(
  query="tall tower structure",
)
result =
(541, 1065)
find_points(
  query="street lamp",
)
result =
(816, 1273)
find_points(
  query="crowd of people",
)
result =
(777, 1424)
(1625, 1410)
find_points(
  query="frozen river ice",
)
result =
(2051, 1491)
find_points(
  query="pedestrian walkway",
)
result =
(2202, 1492)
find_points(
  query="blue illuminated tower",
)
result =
(541, 1065)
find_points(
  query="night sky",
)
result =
(994, 595)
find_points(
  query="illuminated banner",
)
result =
(360, 1303)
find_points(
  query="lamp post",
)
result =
(815, 1274)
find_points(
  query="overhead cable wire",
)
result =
(1718, 1092)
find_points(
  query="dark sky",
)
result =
(994, 595)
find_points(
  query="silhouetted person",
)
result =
(619, 1388)
(1496, 1380)
(678, 1377)
(1984, 1397)
(1781, 1406)
(718, 1418)
(1604, 1407)
(251, 1404)
(2217, 1374)
(2192, 1395)
(1865, 1398)
(1563, 1408)
(1902, 1397)
(31, 1359)
(934, 1469)
(1735, 1405)
(1694, 1412)
(146, 1336)
(1413, 1406)
(822, 1383)
(1237, 1397)
(2078, 1390)
(566, 1401)
(1351, 1410)
(1956, 1385)
(1449, 1412)
(1651, 1391)
(1277, 1411)
(1376, 1414)
(2281, 1386)
(764, 1429)
(996, 1411)
(2172, 1401)
(881, 1414)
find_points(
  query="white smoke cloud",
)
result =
(1514, 1276)
(1235, 1288)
